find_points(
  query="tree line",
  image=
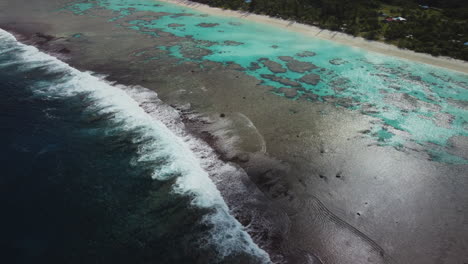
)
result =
(441, 29)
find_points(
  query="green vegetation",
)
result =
(441, 29)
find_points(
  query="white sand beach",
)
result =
(312, 31)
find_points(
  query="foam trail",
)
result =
(172, 152)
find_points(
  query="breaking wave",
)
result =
(162, 140)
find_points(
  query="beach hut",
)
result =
(466, 43)
(389, 19)
(399, 19)
(248, 1)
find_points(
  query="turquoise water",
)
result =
(415, 103)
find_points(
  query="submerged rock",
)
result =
(234, 66)
(342, 101)
(207, 25)
(205, 43)
(297, 66)
(281, 80)
(338, 61)
(173, 25)
(181, 15)
(232, 43)
(310, 78)
(288, 92)
(286, 58)
(40, 38)
(309, 96)
(194, 52)
(254, 66)
(306, 54)
(273, 66)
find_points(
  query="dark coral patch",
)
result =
(274, 66)
(207, 25)
(288, 92)
(281, 80)
(306, 54)
(174, 25)
(296, 65)
(310, 78)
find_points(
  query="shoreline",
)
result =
(337, 37)
(325, 160)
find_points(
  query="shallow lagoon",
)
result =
(418, 105)
(371, 193)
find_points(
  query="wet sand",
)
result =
(342, 38)
(330, 191)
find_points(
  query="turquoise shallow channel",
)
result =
(418, 105)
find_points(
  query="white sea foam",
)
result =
(165, 139)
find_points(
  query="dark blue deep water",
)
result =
(72, 187)
(70, 195)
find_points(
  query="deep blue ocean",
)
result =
(89, 177)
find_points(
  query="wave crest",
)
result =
(173, 151)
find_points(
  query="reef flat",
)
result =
(365, 155)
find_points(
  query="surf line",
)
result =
(227, 235)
